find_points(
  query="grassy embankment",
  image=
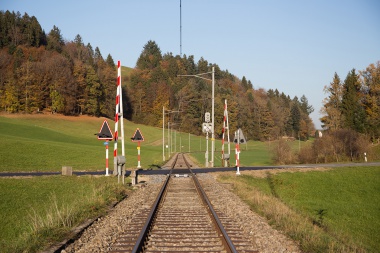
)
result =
(36, 212)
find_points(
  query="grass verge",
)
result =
(325, 211)
(38, 211)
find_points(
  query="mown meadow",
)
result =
(325, 210)
(339, 208)
(48, 142)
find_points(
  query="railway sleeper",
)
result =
(168, 251)
(187, 249)
(181, 224)
(188, 243)
(184, 239)
(182, 233)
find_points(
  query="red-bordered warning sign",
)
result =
(137, 136)
(105, 132)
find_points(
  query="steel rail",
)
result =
(143, 234)
(226, 239)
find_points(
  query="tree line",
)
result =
(354, 103)
(351, 122)
(158, 81)
(43, 72)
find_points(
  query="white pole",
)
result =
(107, 158)
(213, 132)
(168, 139)
(206, 155)
(163, 133)
(238, 153)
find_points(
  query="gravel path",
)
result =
(103, 232)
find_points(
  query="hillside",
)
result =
(46, 142)
(43, 72)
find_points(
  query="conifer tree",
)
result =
(352, 109)
(295, 116)
(150, 57)
(110, 61)
(55, 40)
(304, 105)
(331, 109)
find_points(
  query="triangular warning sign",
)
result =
(105, 132)
(239, 137)
(137, 136)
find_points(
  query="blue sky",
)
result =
(293, 46)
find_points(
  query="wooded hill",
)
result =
(42, 72)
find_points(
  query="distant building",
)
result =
(318, 134)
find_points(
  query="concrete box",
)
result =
(67, 171)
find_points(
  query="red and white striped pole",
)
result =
(237, 152)
(237, 159)
(225, 127)
(223, 131)
(138, 155)
(116, 136)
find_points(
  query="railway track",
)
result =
(181, 219)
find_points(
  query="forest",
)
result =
(42, 72)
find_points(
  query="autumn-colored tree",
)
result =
(370, 80)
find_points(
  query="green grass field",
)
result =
(38, 211)
(345, 201)
(342, 204)
(48, 142)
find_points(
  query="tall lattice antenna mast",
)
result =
(180, 27)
